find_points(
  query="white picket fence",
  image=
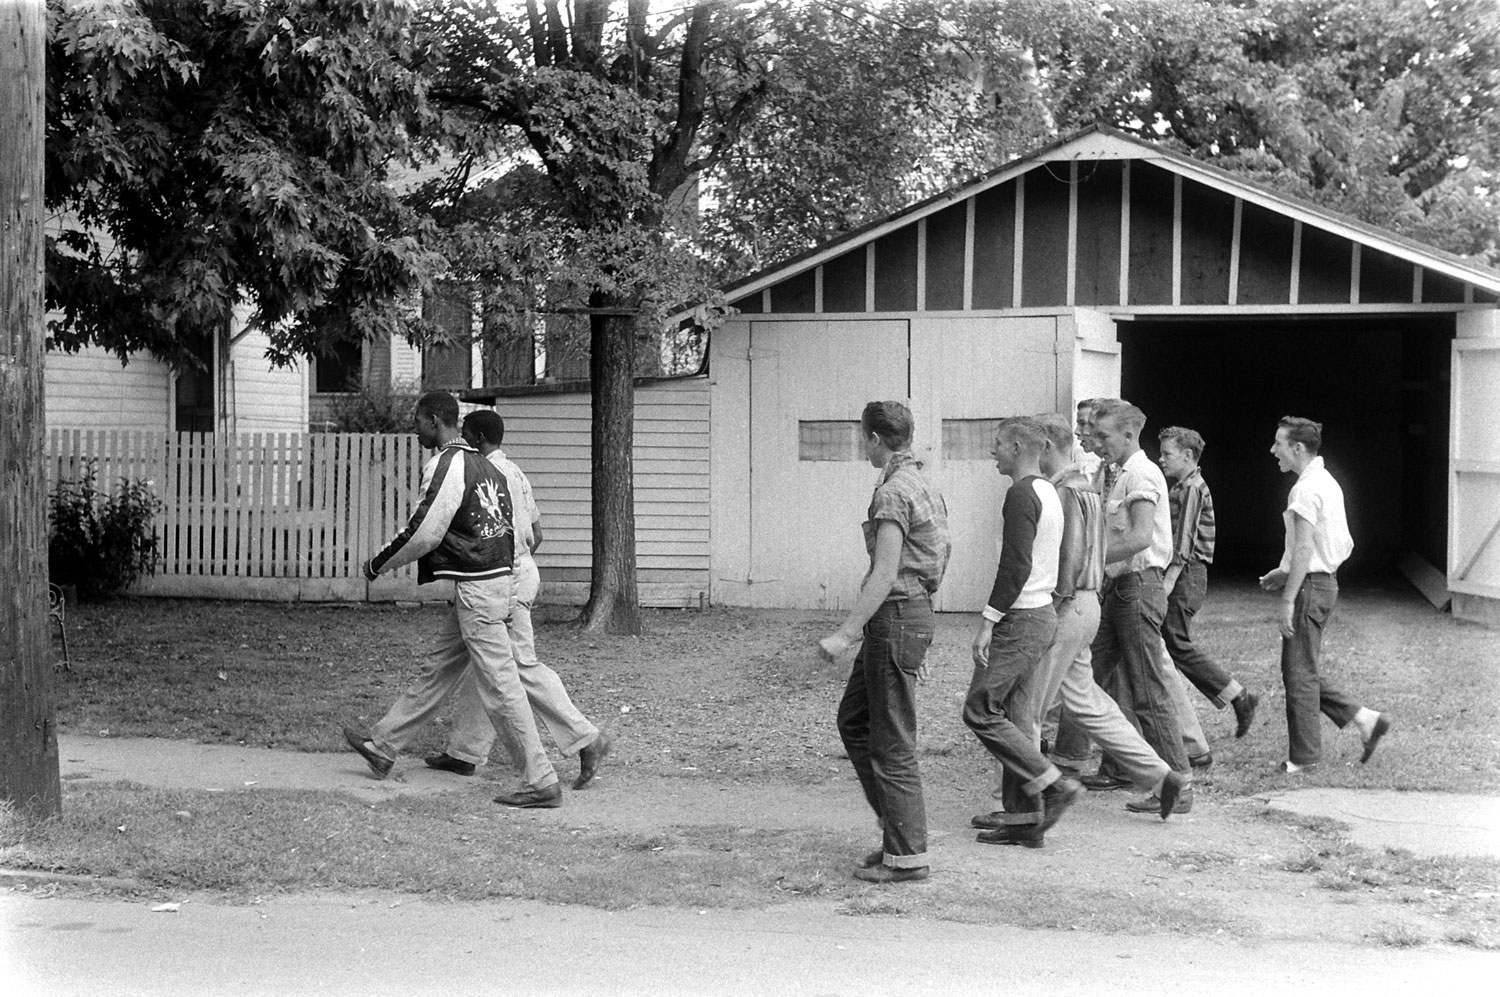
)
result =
(280, 516)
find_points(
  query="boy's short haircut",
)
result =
(1058, 430)
(487, 425)
(1186, 439)
(1025, 431)
(1303, 431)
(440, 405)
(891, 421)
(1125, 415)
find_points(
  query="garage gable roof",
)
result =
(1098, 145)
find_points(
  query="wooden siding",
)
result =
(1064, 234)
(91, 390)
(265, 399)
(548, 435)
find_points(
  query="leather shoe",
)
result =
(1202, 761)
(547, 796)
(589, 758)
(1382, 724)
(448, 763)
(871, 860)
(990, 821)
(379, 764)
(1056, 799)
(885, 874)
(1015, 834)
(1171, 790)
(1244, 712)
(1154, 804)
(1103, 783)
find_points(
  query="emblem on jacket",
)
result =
(496, 517)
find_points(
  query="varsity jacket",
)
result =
(461, 528)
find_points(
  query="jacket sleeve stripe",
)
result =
(429, 523)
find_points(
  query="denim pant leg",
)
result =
(877, 721)
(1183, 603)
(1307, 693)
(998, 709)
(482, 608)
(1194, 741)
(1136, 603)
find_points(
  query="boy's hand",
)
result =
(834, 646)
(1287, 623)
(370, 573)
(981, 646)
(1273, 581)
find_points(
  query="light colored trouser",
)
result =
(1067, 674)
(473, 734)
(1193, 738)
(472, 642)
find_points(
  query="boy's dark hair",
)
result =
(891, 421)
(1186, 439)
(1303, 431)
(487, 425)
(441, 406)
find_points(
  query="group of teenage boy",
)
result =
(1086, 635)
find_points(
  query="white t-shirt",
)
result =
(1317, 498)
(1140, 480)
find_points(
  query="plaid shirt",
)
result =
(1192, 520)
(905, 497)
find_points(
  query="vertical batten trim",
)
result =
(1295, 290)
(1234, 252)
(1176, 239)
(818, 289)
(1354, 261)
(869, 276)
(765, 301)
(1468, 294)
(921, 264)
(1416, 283)
(1072, 291)
(969, 213)
(1125, 234)
(1019, 239)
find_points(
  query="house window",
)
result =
(339, 369)
(829, 441)
(194, 391)
(969, 439)
(448, 366)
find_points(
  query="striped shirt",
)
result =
(905, 497)
(1192, 519)
(1081, 503)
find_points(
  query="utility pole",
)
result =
(28, 731)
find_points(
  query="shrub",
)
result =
(101, 543)
(374, 408)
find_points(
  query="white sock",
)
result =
(1365, 721)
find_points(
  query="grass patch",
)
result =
(1399, 936)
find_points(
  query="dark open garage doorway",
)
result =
(1379, 385)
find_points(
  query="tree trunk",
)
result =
(28, 735)
(614, 604)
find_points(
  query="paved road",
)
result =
(378, 944)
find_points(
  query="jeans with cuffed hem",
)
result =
(1001, 711)
(1125, 651)
(473, 734)
(473, 638)
(1183, 603)
(877, 721)
(1309, 693)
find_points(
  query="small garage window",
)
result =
(968, 439)
(828, 441)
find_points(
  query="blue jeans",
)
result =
(1198, 668)
(1307, 692)
(1124, 660)
(877, 721)
(999, 709)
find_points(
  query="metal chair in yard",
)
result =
(57, 611)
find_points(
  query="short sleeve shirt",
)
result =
(1140, 480)
(521, 499)
(1193, 520)
(1317, 498)
(905, 497)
